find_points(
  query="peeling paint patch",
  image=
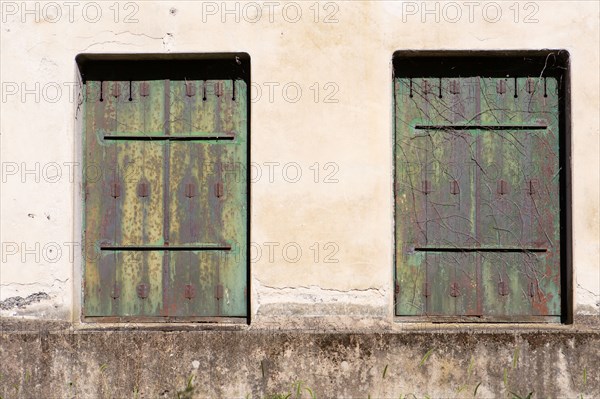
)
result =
(168, 42)
(20, 302)
(319, 301)
(588, 301)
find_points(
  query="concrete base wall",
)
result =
(52, 361)
(321, 112)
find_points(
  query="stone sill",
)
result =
(582, 324)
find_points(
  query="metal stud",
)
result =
(143, 190)
(115, 190)
(190, 190)
(501, 87)
(142, 290)
(502, 288)
(426, 186)
(532, 186)
(219, 189)
(454, 187)
(144, 89)
(116, 292)
(454, 87)
(190, 89)
(502, 187)
(426, 291)
(530, 86)
(426, 87)
(116, 89)
(454, 290)
(189, 291)
(219, 89)
(531, 289)
(219, 291)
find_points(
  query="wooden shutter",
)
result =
(166, 198)
(477, 197)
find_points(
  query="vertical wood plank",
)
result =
(410, 202)
(126, 219)
(233, 183)
(209, 206)
(92, 201)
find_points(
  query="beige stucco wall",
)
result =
(347, 209)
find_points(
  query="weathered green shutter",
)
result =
(477, 197)
(165, 198)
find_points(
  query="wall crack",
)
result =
(317, 288)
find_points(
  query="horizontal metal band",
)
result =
(216, 247)
(213, 136)
(484, 249)
(480, 127)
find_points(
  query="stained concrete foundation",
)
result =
(51, 360)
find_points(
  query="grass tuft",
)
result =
(426, 357)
